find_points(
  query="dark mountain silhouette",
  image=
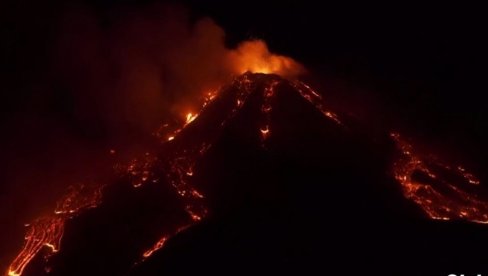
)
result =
(289, 188)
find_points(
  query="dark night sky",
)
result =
(416, 67)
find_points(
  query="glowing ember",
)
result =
(190, 117)
(314, 98)
(265, 132)
(470, 177)
(195, 216)
(159, 244)
(440, 196)
(266, 107)
(140, 170)
(78, 198)
(208, 98)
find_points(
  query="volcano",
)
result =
(266, 179)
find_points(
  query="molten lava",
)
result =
(177, 164)
(47, 231)
(266, 107)
(444, 192)
(159, 244)
(190, 117)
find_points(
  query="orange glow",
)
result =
(209, 96)
(167, 132)
(44, 232)
(469, 176)
(254, 56)
(195, 193)
(190, 117)
(140, 170)
(314, 98)
(161, 242)
(48, 231)
(449, 198)
(158, 245)
(266, 108)
(265, 132)
(195, 216)
(176, 164)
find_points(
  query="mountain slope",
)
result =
(265, 179)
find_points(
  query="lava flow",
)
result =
(47, 231)
(176, 164)
(442, 191)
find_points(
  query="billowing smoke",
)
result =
(254, 56)
(141, 68)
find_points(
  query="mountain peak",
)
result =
(263, 151)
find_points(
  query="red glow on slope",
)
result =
(48, 231)
(179, 166)
(442, 197)
(158, 245)
(190, 117)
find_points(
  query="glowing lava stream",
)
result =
(442, 191)
(179, 166)
(48, 231)
(266, 107)
(314, 98)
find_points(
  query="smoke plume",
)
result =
(144, 67)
